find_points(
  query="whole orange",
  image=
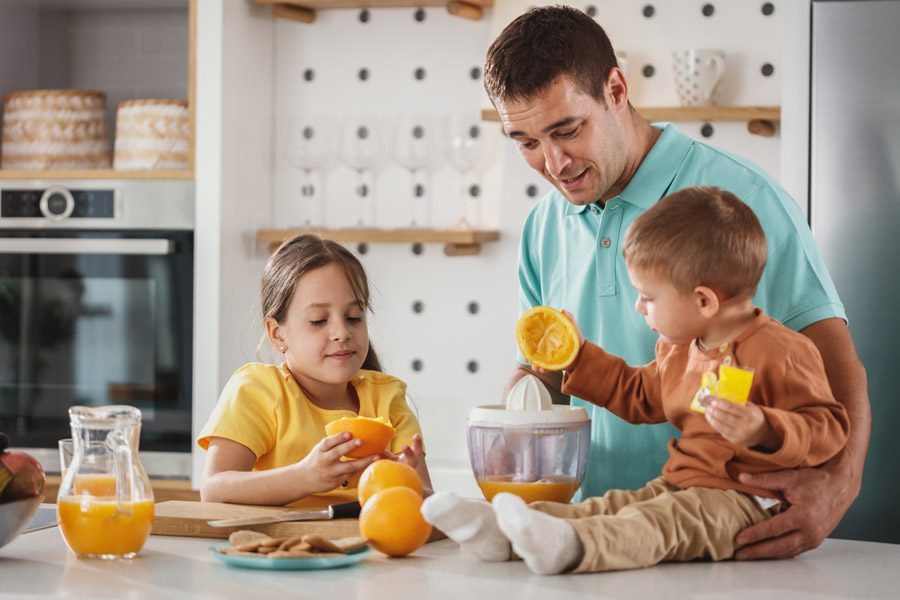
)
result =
(383, 474)
(392, 520)
(374, 433)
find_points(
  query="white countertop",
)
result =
(38, 565)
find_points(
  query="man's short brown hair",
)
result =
(700, 235)
(541, 45)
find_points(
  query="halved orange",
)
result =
(547, 338)
(375, 434)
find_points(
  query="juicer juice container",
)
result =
(529, 447)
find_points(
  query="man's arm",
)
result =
(552, 380)
(818, 497)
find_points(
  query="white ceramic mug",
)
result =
(697, 75)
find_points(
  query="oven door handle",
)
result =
(85, 246)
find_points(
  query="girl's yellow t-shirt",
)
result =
(263, 408)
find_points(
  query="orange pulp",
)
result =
(94, 526)
(554, 489)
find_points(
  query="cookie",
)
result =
(245, 535)
(320, 542)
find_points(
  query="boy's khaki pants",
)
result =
(628, 529)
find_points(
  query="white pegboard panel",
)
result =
(317, 73)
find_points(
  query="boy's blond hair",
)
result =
(700, 235)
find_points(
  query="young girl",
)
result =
(266, 436)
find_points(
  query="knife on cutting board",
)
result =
(345, 510)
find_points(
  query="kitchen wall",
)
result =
(445, 325)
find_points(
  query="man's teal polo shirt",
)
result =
(571, 257)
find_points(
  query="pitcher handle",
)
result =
(124, 466)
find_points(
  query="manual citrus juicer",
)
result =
(529, 446)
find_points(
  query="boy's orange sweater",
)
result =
(789, 384)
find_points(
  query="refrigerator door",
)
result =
(855, 217)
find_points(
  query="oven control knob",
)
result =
(57, 203)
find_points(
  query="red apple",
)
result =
(21, 476)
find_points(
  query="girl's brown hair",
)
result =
(700, 235)
(300, 255)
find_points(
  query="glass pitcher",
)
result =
(105, 502)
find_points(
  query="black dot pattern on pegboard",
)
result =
(419, 15)
(474, 190)
(648, 71)
(708, 10)
(364, 16)
(707, 130)
(363, 74)
(419, 73)
(475, 73)
(590, 10)
(473, 308)
(767, 70)
(418, 190)
(418, 306)
(648, 11)
(768, 8)
(309, 75)
(531, 191)
(362, 248)
(417, 365)
(472, 366)
(418, 248)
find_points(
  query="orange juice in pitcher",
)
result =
(95, 526)
(105, 502)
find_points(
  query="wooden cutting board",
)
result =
(185, 518)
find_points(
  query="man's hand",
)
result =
(818, 497)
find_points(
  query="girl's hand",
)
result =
(323, 468)
(743, 424)
(408, 456)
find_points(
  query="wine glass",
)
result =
(465, 146)
(361, 149)
(413, 149)
(310, 148)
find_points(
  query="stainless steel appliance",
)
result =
(855, 214)
(96, 307)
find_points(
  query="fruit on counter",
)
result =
(392, 520)
(21, 476)
(547, 338)
(383, 474)
(375, 434)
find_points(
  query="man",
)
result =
(553, 77)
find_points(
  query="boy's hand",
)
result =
(743, 424)
(323, 467)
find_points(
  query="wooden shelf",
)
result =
(760, 119)
(457, 242)
(96, 174)
(304, 11)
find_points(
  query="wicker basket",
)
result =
(54, 129)
(152, 134)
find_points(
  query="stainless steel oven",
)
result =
(96, 307)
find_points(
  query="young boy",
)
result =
(695, 259)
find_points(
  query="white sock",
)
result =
(468, 522)
(547, 544)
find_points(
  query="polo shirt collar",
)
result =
(653, 177)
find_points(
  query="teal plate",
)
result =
(291, 564)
